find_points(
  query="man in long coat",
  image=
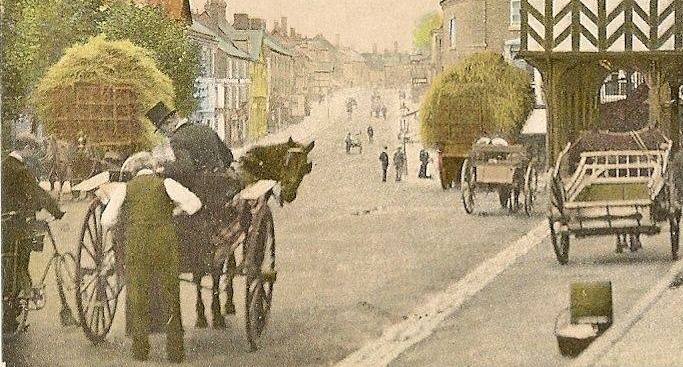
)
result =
(202, 164)
(21, 199)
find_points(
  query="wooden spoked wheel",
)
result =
(261, 276)
(561, 244)
(530, 188)
(98, 283)
(675, 231)
(467, 186)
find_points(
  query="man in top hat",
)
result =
(202, 164)
(196, 147)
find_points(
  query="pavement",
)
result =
(655, 339)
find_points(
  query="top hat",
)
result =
(159, 113)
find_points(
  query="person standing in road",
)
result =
(424, 161)
(371, 134)
(399, 161)
(148, 203)
(384, 158)
(348, 140)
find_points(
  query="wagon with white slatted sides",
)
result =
(613, 184)
(495, 166)
(244, 245)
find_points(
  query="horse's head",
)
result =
(286, 163)
(295, 167)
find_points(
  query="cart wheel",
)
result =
(466, 187)
(560, 245)
(261, 276)
(530, 187)
(97, 281)
(675, 231)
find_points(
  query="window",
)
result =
(451, 32)
(515, 17)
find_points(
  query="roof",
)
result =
(536, 123)
(274, 45)
(224, 39)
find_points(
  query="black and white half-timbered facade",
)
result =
(577, 43)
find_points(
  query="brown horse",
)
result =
(287, 163)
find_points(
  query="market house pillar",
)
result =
(571, 89)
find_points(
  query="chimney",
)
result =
(395, 47)
(374, 47)
(292, 32)
(276, 27)
(337, 41)
(241, 21)
(216, 9)
(257, 24)
(283, 21)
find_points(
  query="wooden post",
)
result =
(675, 124)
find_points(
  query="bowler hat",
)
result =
(159, 113)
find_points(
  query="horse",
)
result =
(65, 162)
(287, 163)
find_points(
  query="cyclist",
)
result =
(21, 199)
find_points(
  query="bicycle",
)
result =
(17, 302)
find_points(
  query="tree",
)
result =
(35, 34)
(482, 87)
(176, 56)
(101, 61)
(422, 34)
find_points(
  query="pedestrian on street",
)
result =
(371, 134)
(384, 112)
(384, 158)
(399, 161)
(21, 199)
(424, 161)
(348, 142)
(147, 205)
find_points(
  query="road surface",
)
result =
(357, 256)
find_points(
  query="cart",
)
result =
(353, 142)
(620, 185)
(492, 165)
(101, 271)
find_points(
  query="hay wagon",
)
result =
(495, 166)
(91, 120)
(620, 185)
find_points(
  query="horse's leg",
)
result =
(229, 277)
(217, 319)
(199, 306)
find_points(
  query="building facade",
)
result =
(471, 26)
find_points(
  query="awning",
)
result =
(536, 123)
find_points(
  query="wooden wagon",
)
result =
(90, 121)
(621, 186)
(505, 169)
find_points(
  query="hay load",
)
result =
(96, 87)
(482, 90)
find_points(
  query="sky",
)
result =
(359, 23)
